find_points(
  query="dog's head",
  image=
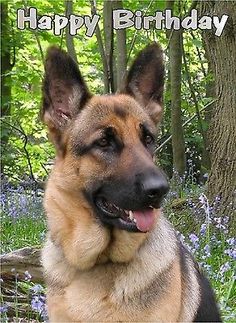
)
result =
(105, 144)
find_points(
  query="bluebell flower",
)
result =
(3, 308)
(224, 268)
(202, 199)
(36, 289)
(203, 228)
(207, 251)
(193, 238)
(195, 242)
(231, 253)
(27, 276)
(221, 223)
(231, 241)
(38, 303)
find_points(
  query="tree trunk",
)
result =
(6, 67)
(69, 39)
(175, 54)
(221, 51)
(121, 53)
(210, 93)
(178, 146)
(101, 50)
(108, 37)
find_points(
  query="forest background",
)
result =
(195, 146)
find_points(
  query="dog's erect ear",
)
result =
(64, 92)
(145, 80)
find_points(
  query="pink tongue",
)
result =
(144, 219)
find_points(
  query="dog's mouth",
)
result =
(131, 220)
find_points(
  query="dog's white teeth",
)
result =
(135, 221)
(131, 216)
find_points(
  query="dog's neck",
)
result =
(155, 254)
(86, 242)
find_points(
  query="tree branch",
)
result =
(21, 131)
(39, 45)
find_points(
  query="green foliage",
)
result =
(27, 152)
(29, 232)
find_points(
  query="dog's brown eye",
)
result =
(103, 142)
(148, 139)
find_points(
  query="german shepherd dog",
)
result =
(110, 254)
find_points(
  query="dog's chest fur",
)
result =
(104, 295)
(148, 288)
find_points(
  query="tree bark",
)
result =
(178, 145)
(101, 50)
(69, 39)
(175, 54)
(6, 67)
(221, 51)
(121, 52)
(21, 260)
(109, 40)
(210, 93)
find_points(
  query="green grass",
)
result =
(21, 232)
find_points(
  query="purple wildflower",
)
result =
(27, 276)
(231, 241)
(195, 242)
(202, 199)
(207, 251)
(225, 267)
(180, 236)
(231, 253)
(37, 289)
(203, 229)
(3, 308)
(38, 303)
(221, 223)
(193, 238)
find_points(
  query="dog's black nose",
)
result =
(154, 186)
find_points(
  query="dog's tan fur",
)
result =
(112, 292)
(94, 272)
